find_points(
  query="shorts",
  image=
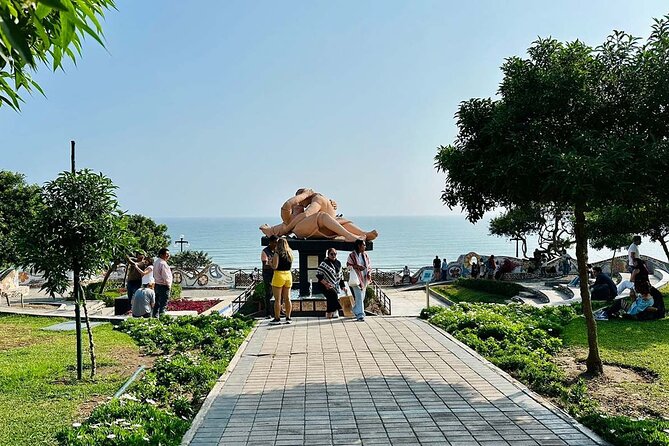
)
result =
(282, 279)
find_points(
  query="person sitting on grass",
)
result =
(648, 304)
(603, 288)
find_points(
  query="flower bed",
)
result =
(159, 408)
(191, 305)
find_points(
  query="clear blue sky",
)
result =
(236, 104)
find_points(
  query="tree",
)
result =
(16, 200)
(608, 228)
(571, 127)
(75, 227)
(194, 262)
(42, 31)
(551, 224)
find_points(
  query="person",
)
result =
(444, 269)
(566, 263)
(604, 288)
(282, 280)
(311, 215)
(406, 274)
(147, 274)
(633, 252)
(267, 271)
(476, 268)
(491, 266)
(163, 277)
(648, 304)
(639, 274)
(135, 271)
(330, 276)
(361, 274)
(143, 301)
(436, 266)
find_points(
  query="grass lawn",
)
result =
(39, 393)
(458, 294)
(631, 343)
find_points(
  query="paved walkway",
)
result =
(408, 302)
(387, 381)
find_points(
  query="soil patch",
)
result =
(615, 391)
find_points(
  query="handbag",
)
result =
(353, 278)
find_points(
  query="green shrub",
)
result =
(508, 289)
(126, 423)
(175, 291)
(195, 351)
(629, 432)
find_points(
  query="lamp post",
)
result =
(181, 242)
(516, 239)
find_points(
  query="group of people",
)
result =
(440, 269)
(646, 303)
(148, 284)
(277, 259)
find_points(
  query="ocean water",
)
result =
(412, 241)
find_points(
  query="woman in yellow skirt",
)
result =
(282, 280)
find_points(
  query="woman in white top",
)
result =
(147, 274)
(146, 270)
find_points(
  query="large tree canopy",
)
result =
(17, 198)
(575, 127)
(42, 31)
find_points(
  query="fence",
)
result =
(384, 300)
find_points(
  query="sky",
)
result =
(224, 108)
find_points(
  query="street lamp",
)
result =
(181, 242)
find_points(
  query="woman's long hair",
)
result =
(283, 249)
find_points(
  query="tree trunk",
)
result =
(663, 242)
(91, 344)
(612, 259)
(77, 322)
(107, 274)
(593, 362)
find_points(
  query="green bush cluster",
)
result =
(523, 340)
(157, 410)
(520, 339)
(628, 431)
(508, 289)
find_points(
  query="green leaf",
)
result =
(17, 39)
(56, 4)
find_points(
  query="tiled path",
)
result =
(383, 381)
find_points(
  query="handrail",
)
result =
(240, 300)
(384, 300)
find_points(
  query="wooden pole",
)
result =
(77, 302)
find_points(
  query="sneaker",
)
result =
(275, 321)
(601, 317)
(289, 321)
(360, 319)
(335, 315)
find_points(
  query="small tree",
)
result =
(611, 228)
(43, 31)
(573, 127)
(195, 262)
(17, 198)
(75, 227)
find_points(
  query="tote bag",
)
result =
(353, 279)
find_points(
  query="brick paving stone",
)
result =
(396, 381)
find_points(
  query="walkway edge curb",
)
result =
(213, 393)
(522, 387)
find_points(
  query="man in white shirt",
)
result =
(162, 274)
(633, 252)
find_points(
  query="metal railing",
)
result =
(384, 300)
(240, 300)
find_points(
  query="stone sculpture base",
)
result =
(312, 252)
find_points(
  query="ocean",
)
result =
(412, 241)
